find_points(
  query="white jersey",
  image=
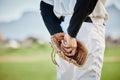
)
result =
(66, 7)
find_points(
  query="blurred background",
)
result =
(24, 48)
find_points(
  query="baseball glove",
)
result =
(80, 54)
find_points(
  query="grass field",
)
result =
(25, 64)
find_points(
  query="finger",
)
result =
(68, 50)
(73, 52)
(68, 39)
(64, 44)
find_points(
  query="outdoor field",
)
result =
(34, 63)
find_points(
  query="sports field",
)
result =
(34, 63)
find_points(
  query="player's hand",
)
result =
(69, 45)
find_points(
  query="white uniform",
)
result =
(92, 35)
(65, 7)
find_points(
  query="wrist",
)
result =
(71, 41)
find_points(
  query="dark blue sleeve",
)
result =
(81, 10)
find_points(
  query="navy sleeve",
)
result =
(81, 10)
(52, 23)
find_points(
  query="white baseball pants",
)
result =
(93, 36)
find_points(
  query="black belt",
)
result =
(88, 19)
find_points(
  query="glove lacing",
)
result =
(53, 54)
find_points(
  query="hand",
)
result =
(69, 45)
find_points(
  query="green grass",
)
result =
(112, 51)
(44, 69)
(27, 71)
(111, 71)
(34, 49)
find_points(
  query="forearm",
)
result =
(51, 21)
(82, 9)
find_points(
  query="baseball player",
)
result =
(91, 15)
